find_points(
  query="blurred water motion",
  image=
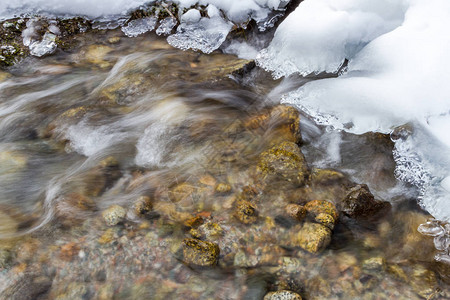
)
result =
(135, 160)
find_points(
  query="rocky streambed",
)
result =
(133, 170)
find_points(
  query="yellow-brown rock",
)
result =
(200, 253)
(317, 207)
(311, 237)
(142, 206)
(246, 212)
(284, 161)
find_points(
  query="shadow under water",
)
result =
(133, 170)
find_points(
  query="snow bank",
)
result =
(90, 8)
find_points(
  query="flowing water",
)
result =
(114, 156)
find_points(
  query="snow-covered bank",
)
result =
(398, 73)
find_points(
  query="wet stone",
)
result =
(208, 230)
(311, 237)
(284, 161)
(142, 206)
(423, 281)
(246, 212)
(295, 211)
(317, 207)
(397, 272)
(8, 225)
(200, 253)
(194, 222)
(285, 123)
(182, 191)
(73, 208)
(326, 176)
(114, 215)
(325, 219)
(282, 295)
(374, 264)
(5, 258)
(223, 188)
(360, 203)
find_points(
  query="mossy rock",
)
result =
(317, 207)
(246, 212)
(312, 237)
(200, 253)
(284, 161)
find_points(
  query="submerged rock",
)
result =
(282, 295)
(311, 237)
(101, 177)
(200, 253)
(12, 161)
(376, 263)
(210, 231)
(142, 206)
(323, 212)
(246, 212)
(295, 211)
(73, 208)
(280, 124)
(285, 124)
(8, 225)
(5, 258)
(360, 203)
(114, 215)
(223, 188)
(327, 177)
(285, 161)
(423, 281)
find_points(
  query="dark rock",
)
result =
(360, 203)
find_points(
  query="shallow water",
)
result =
(114, 121)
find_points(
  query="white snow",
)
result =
(90, 8)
